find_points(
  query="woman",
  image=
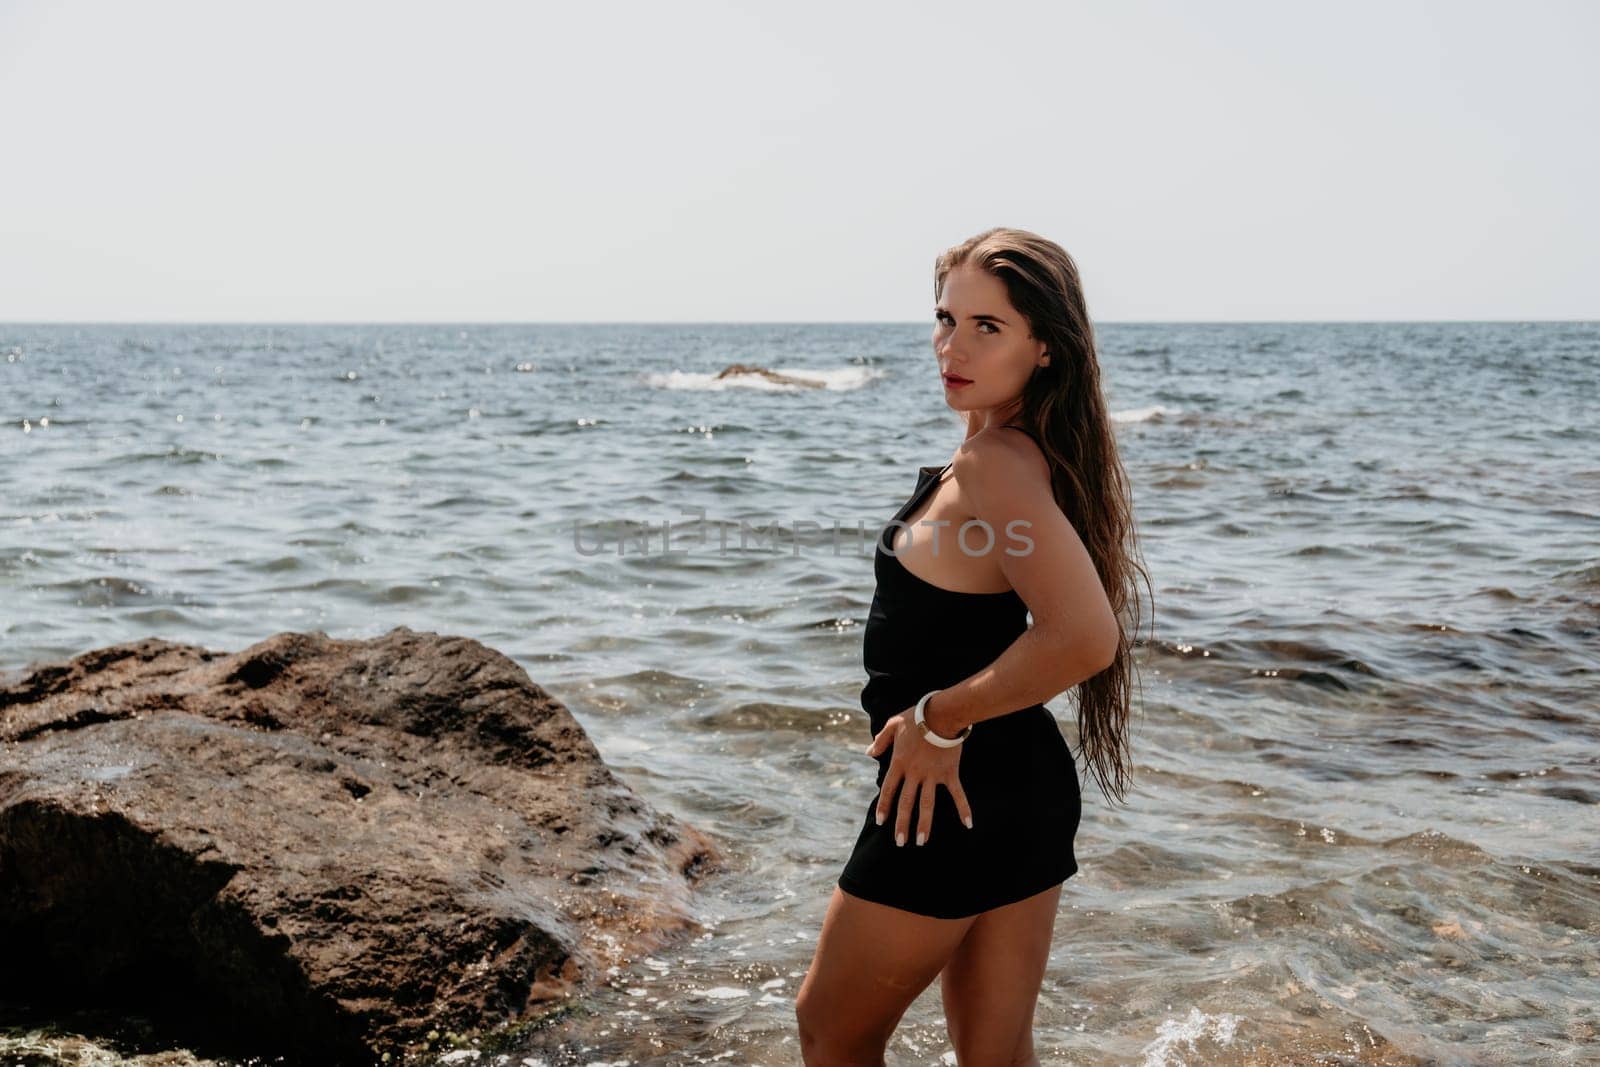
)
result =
(1031, 516)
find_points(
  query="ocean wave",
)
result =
(1154, 411)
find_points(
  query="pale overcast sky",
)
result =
(748, 161)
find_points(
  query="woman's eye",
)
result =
(944, 319)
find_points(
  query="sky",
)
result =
(757, 162)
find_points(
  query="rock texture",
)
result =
(324, 849)
(770, 375)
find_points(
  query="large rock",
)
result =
(320, 848)
(735, 369)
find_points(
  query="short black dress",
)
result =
(1017, 770)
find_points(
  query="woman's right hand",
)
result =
(917, 768)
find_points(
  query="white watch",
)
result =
(919, 717)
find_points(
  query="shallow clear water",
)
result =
(1368, 747)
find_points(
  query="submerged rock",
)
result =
(320, 848)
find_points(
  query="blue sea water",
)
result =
(1367, 735)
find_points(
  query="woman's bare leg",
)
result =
(991, 983)
(871, 962)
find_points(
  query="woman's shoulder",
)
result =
(1000, 454)
(998, 444)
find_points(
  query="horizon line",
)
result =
(754, 322)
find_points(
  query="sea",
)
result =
(1365, 820)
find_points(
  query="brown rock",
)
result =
(324, 848)
(769, 375)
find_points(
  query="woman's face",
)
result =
(978, 336)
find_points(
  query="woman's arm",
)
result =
(1005, 482)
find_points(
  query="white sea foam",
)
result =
(837, 378)
(1163, 1051)
(1154, 411)
(723, 992)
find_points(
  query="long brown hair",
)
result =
(1062, 404)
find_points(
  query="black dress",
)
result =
(1017, 770)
